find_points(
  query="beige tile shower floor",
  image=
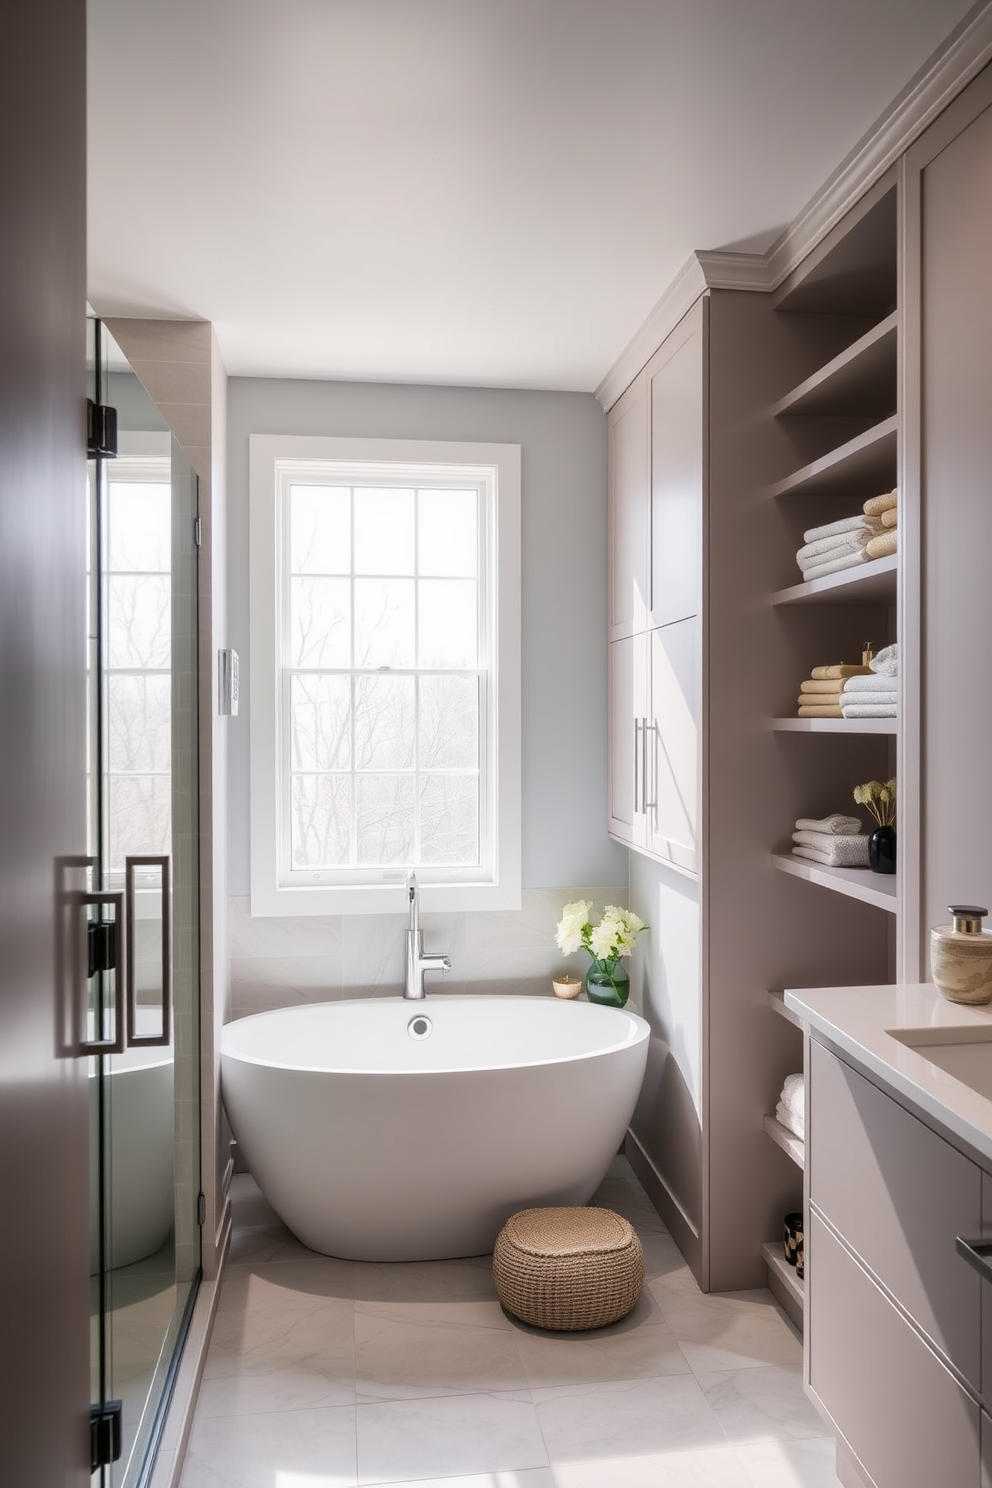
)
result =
(328, 1374)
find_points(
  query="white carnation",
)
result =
(569, 931)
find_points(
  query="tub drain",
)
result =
(420, 1027)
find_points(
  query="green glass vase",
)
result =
(607, 983)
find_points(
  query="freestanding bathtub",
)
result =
(394, 1130)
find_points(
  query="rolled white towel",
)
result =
(836, 825)
(870, 710)
(836, 565)
(794, 1093)
(875, 682)
(886, 663)
(858, 523)
(795, 1124)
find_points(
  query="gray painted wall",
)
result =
(563, 459)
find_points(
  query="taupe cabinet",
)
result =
(657, 433)
(900, 1326)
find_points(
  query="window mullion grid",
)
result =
(353, 693)
(284, 744)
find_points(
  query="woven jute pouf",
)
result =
(568, 1268)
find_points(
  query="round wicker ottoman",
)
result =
(568, 1268)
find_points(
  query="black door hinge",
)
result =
(201, 1209)
(105, 1434)
(101, 940)
(101, 429)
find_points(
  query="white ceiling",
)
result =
(492, 192)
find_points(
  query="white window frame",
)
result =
(382, 892)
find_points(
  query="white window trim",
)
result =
(268, 895)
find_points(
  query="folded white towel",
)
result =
(835, 565)
(886, 663)
(836, 825)
(869, 710)
(793, 1123)
(888, 699)
(858, 523)
(841, 542)
(833, 851)
(873, 683)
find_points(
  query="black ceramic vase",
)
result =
(882, 850)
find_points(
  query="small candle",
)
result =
(566, 986)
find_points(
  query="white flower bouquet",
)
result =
(606, 943)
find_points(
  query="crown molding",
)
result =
(700, 272)
(959, 59)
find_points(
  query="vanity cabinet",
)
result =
(656, 441)
(897, 1322)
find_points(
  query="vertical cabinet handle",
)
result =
(976, 1253)
(134, 1038)
(652, 805)
(637, 737)
(116, 962)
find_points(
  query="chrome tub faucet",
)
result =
(416, 962)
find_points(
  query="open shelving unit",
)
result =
(841, 422)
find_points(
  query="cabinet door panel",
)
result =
(628, 732)
(902, 1413)
(899, 1195)
(672, 740)
(678, 430)
(628, 455)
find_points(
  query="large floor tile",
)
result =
(313, 1447)
(317, 1341)
(711, 1467)
(425, 1282)
(396, 1358)
(727, 1330)
(766, 1403)
(512, 1477)
(447, 1435)
(626, 1418)
(264, 1286)
(601, 1354)
(266, 1243)
(795, 1464)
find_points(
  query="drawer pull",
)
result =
(976, 1253)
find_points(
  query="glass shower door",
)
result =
(144, 944)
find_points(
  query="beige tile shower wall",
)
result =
(279, 962)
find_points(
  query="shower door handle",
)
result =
(136, 1040)
(104, 951)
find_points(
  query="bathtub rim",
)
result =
(640, 1033)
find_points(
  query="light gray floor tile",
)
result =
(626, 1418)
(266, 1243)
(762, 1404)
(396, 1358)
(710, 1467)
(425, 1282)
(602, 1354)
(447, 1435)
(795, 1464)
(315, 1446)
(262, 1286)
(317, 1340)
(727, 1330)
(512, 1477)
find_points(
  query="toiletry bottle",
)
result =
(961, 956)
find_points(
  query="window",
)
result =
(384, 695)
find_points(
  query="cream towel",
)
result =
(858, 523)
(873, 683)
(886, 662)
(835, 852)
(890, 518)
(869, 710)
(813, 711)
(840, 669)
(844, 542)
(882, 547)
(876, 505)
(836, 825)
(832, 687)
(847, 560)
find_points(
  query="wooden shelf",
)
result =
(782, 1275)
(860, 381)
(864, 466)
(866, 583)
(836, 725)
(776, 1001)
(879, 889)
(790, 1144)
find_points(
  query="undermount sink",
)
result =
(964, 1053)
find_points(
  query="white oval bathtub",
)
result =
(377, 1143)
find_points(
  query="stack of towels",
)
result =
(821, 695)
(851, 540)
(791, 1108)
(835, 841)
(874, 695)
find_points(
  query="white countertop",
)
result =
(861, 1022)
